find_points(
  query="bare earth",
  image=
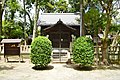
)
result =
(24, 71)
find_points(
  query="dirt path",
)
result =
(24, 71)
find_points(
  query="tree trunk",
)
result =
(2, 4)
(104, 51)
(35, 21)
(31, 23)
(105, 44)
(0, 19)
(24, 32)
(81, 17)
(107, 6)
(83, 29)
(12, 15)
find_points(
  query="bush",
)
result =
(83, 51)
(41, 49)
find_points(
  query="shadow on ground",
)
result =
(3, 67)
(99, 67)
(78, 67)
(49, 67)
(15, 62)
(110, 67)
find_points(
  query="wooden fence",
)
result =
(25, 49)
(113, 53)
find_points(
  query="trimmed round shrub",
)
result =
(83, 51)
(41, 49)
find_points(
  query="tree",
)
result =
(107, 9)
(35, 19)
(102, 18)
(2, 4)
(12, 29)
(80, 6)
(24, 21)
(26, 12)
(10, 23)
(75, 5)
(14, 11)
(93, 23)
(59, 6)
(84, 4)
(12, 6)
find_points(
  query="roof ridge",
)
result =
(59, 14)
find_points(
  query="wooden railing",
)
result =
(113, 53)
(25, 48)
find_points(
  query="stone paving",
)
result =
(25, 71)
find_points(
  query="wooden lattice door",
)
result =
(60, 40)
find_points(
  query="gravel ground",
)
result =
(24, 71)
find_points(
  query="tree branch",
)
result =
(29, 18)
(103, 5)
(3, 5)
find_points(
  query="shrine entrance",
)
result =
(60, 39)
(60, 35)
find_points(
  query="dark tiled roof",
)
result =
(53, 18)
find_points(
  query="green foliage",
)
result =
(114, 28)
(41, 49)
(93, 21)
(58, 6)
(12, 29)
(13, 5)
(83, 51)
(2, 37)
(75, 5)
(14, 13)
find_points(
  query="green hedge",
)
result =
(41, 49)
(83, 51)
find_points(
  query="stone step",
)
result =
(60, 56)
(63, 59)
